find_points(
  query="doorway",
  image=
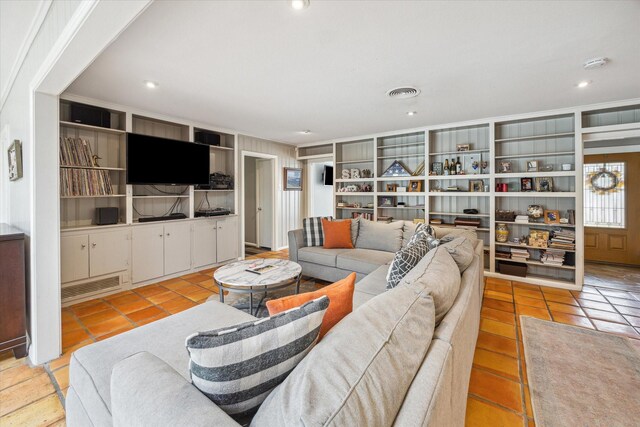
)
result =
(258, 182)
(320, 195)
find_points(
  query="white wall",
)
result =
(288, 203)
(320, 195)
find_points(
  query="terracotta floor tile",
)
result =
(498, 328)
(177, 305)
(201, 295)
(499, 287)
(498, 305)
(554, 291)
(497, 363)
(66, 356)
(152, 319)
(195, 277)
(531, 302)
(149, 290)
(604, 315)
(18, 374)
(588, 296)
(497, 389)
(186, 290)
(538, 313)
(564, 308)
(146, 313)
(25, 393)
(527, 401)
(499, 296)
(497, 344)
(615, 328)
(178, 284)
(570, 319)
(561, 299)
(481, 414)
(628, 310)
(171, 282)
(44, 412)
(72, 338)
(635, 321)
(527, 293)
(495, 280)
(62, 377)
(103, 316)
(117, 296)
(116, 332)
(109, 326)
(162, 297)
(84, 309)
(499, 315)
(125, 299)
(596, 305)
(70, 325)
(624, 302)
(208, 271)
(134, 306)
(526, 286)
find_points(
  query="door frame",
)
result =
(258, 195)
(274, 223)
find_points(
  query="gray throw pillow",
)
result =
(360, 372)
(462, 252)
(379, 236)
(437, 274)
(238, 366)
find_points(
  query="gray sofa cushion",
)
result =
(339, 382)
(375, 283)
(90, 368)
(453, 232)
(462, 252)
(362, 260)
(320, 255)
(434, 274)
(379, 236)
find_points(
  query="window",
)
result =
(604, 203)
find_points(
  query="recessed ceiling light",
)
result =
(411, 113)
(305, 132)
(150, 84)
(299, 4)
(584, 84)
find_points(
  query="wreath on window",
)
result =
(604, 181)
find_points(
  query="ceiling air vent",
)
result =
(595, 63)
(403, 92)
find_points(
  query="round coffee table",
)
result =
(235, 277)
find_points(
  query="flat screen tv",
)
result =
(153, 160)
(328, 175)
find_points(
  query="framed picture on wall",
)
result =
(15, 160)
(292, 179)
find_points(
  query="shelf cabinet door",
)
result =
(177, 247)
(227, 241)
(204, 243)
(74, 257)
(110, 252)
(148, 253)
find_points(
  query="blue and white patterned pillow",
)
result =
(408, 257)
(237, 367)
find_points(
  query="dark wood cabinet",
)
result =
(13, 299)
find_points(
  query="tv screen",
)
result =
(153, 160)
(328, 175)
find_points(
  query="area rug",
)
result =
(581, 377)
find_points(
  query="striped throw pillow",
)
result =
(237, 367)
(312, 228)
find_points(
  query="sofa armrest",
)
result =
(145, 391)
(296, 241)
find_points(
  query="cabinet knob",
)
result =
(82, 246)
(160, 235)
(168, 234)
(93, 245)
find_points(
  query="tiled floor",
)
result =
(498, 392)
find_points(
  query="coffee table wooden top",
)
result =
(236, 274)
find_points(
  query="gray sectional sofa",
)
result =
(141, 377)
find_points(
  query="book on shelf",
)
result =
(471, 222)
(522, 219)
(503, 255)
(520, 254)
(364, 215)
(435, 221)
(553, 257)
(385, 218)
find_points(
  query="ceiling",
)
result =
(267, 70)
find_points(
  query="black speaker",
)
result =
(208, 138)
(89, 115)
(106, 216)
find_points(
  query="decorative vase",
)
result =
(502, 233)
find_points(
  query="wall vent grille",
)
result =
(90, 287)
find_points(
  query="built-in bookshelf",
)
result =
(354, 178)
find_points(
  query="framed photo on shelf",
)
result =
(292, 179)
(387, 202)
(415, 186)
(462, 147)
(391, 188)
(436, 167)
(551, 216)
(476, 186)
(505, 167)
(532, 166)
(526, 184)
(471, 163)
(544, 184)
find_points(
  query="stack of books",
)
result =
(385, 218)
(519, 254)
(563, 239)
(503, 254)
(435, 221)
(467, 222)
(522, 219)
(553, 257)
(364, 215)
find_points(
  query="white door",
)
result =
(147, 252)
(204, 243)
(264, 202)
(74, 257)
(227, 239)
(177, 247)
(110, 252)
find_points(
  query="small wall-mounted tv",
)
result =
(328, 175)
(153, 160)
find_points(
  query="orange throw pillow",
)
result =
(340, 296)
(337, 234)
